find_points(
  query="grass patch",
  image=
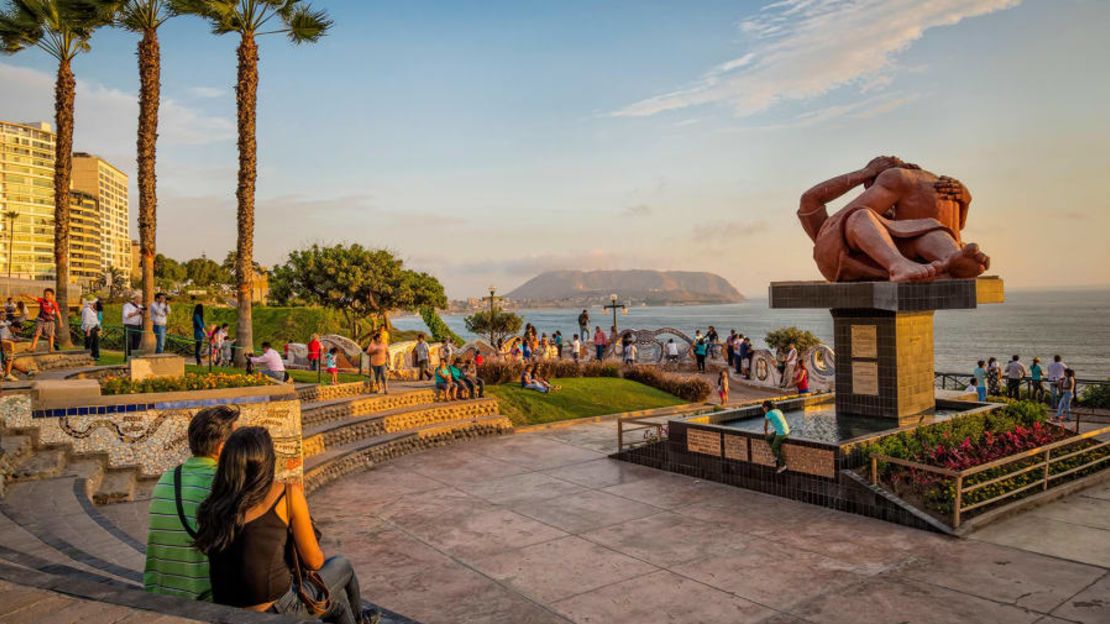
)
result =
(579, 398)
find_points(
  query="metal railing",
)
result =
(653, 431)
(1046, 455)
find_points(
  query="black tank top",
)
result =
(253, 570)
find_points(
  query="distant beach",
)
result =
(1073, 323)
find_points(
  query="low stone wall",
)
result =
(327, 393)
(148, 432)
(27, 362)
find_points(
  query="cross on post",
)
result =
(614, 305)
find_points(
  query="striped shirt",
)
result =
(173, 566)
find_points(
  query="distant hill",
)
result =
(648, 287)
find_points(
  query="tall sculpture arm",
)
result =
(812, 211)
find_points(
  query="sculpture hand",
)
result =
(880, 164)
(952, 189)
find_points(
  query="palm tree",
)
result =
(62, 29)
(249, 19)
(145, 16)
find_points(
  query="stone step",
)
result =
(326, 392)
(117, 486)
(335, 433)
(335, 462)
(45, 463)
(16, 447)
(58, 513)
(91, 470)
(316, 412)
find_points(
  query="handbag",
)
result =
(303, 577)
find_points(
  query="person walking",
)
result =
(159, 317)
(379, 357)
(331, 365)
(174, 567)
(722, 386)
(198, 331)
(422, 354)
(773, 417)
(599, 343)
(1015, 373)
(132, 314)
(1055, 374)
(1036, 375)
(980, 375)
(252, 527)
(46, 322)
(1067, 394)
(90, 327)
(701, 348)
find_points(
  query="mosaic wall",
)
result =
(152, 437)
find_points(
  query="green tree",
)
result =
(782, 337)
(249, 19)
(362, 284)
(497, 324)
(62, 29)
(145, 17)
(169, 272)
(204, 272)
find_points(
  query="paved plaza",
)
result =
(543, 527)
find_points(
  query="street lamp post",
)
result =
(492, 299)
(614, 306)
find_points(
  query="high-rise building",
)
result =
(97, 177)
(85, 257)
(99, 192)
(26, 200)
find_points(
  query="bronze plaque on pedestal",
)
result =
(865, 378)
(736, 447)
(865, 341)
(704, 442)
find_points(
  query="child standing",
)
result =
(576, 348)
(722, 386)
(332, 366)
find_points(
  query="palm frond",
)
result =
(307, 25)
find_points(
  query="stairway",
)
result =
(352, 430)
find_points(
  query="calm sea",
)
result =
(1073, 323)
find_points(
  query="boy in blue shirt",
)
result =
(981, 381)
(773, 417)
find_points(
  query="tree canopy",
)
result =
(359, 282)
(497, 323)
(781, 338)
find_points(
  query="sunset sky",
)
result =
(488, 141)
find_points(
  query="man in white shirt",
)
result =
(271, 363)
(790, 362)
(159, 314)
(1055, 374)
(133, 322)
(672, 350)
(90, 327)
(1015, 372)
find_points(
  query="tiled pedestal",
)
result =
(884, 337)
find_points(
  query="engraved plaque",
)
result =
(865, 378)
(704, 442)
(736, 447)
(865, 342)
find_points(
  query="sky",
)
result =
(486, 142)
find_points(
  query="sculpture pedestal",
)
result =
(883, 336)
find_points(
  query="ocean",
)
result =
(1072, 323)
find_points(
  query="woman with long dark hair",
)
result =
(250, 525)
(198, 330)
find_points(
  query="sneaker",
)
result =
(781, 469)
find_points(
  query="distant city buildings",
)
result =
(100, 209)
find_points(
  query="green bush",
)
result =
(782, 337)
(504, 370)
(691, 389)
(1097, 396)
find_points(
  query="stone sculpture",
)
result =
(904, 227)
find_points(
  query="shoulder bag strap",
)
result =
(180, 505)
(304, 578)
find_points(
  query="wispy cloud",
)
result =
(802, 49)
(208, 92)
(638, 210)
(723, 231)
(866, 108)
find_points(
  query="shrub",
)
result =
(782, 337)
(503, 370)
(691, 389)
(438, 328)
(1096, 396)
(190, 381)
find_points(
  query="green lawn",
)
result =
(578, 398)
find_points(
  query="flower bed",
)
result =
(689, 388)
(975, 440)
(190, 381)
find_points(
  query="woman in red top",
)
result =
(801, 378)
(314, 352)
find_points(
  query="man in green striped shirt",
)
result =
(173, 566)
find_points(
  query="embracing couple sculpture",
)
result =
(904, 227)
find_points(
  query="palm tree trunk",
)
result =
(149, 94)
(65, 88)
(246, 98)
